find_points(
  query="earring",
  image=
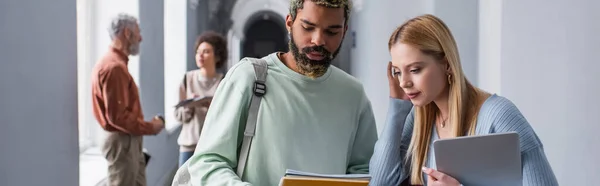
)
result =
(450, 79)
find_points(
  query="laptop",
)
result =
(491, 160)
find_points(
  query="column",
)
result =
(197, 22)
(162, 147)
(38, 98)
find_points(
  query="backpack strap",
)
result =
(259, 90)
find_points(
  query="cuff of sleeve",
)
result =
(400, 105)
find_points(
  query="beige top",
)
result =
(193, 118)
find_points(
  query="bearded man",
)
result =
(117, 108)
(314, 117)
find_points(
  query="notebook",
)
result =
(192, 102)
(300, 178)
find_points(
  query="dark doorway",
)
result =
(265, 33)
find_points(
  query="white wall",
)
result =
(373, 24)
(175, 39)
(87, 124)
(490, 42)
(549, 69)
(38, 98)
(462, 17)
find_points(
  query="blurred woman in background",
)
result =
(211, 54)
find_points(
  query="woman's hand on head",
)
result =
(396, 91)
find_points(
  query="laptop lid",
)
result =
(491, 160)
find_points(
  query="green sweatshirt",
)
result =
(323, 125)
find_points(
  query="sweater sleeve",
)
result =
(183, 114)
(214, 162)
(387, 163)
(506, 117)
(365, 139)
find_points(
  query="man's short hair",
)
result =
(219, 44)
(299, 4)
(120, 23)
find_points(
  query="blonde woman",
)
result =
(425, 71)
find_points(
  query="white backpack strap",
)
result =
(259, 90)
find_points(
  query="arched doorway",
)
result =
(264, 34)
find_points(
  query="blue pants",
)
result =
(184, 156)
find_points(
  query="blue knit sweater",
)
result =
(497, 115)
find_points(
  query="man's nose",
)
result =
(318, 39)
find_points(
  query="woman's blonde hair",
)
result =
(432, 37)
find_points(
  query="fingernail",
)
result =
(424, 169)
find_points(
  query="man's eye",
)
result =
(330, 33)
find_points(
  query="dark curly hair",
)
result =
(219, 44)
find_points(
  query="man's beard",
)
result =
(134, 48)
(308, 67)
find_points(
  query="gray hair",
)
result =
(120, 23)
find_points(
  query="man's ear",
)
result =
(345, 28)
(289, 22)
(127, 34)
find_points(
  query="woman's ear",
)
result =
(448, 69)
(217, 59)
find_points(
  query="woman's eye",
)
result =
(415, 70)
(395, 72)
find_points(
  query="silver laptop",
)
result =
(490, 160)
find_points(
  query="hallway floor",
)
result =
(92, 167)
